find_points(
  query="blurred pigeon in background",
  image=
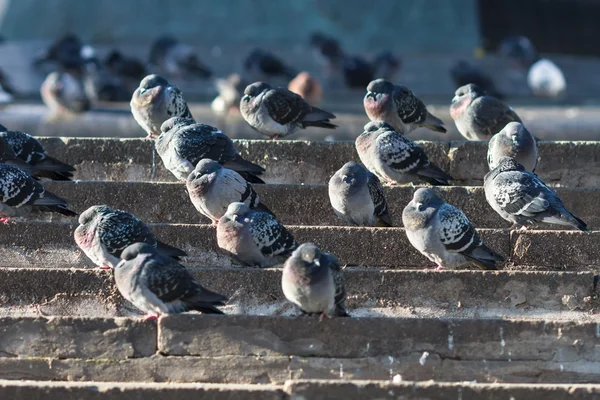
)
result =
(231, 90)
(183, 143)
(522, 198)
(253, 238)
(399, 107)
(277, 112)
(314, 282)
(357, 196)
(212, 188)
(103, 233)
(387, 66)
(154, 102)
(307, 87)
(477, 115)
(159, 285)
(443, 233)
(21, 194)
(170, 57)
(515, 141)
(64, 95)
(463, 73)
(261, 65)
(395, 158)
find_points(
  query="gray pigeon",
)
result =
(515, 141)
(159, 285)
(522, 198)
(212, 188)
(154, 102)
(314, 281)
(64, 95)
(263, 65)
(21, 194)
(477, 115)
(399, 107)
(230, 91)
(277, 112)
(183, 143)
(103, 234)
(252, 237)
(34, 158)
(357, 197)
(174, 58)
(395, 158)
(443, 234)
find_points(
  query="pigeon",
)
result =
(154, 102)
(477, 115)
(399, 107)
(522, 198)
(357, 72)
(386, 66)
(159, 285)
(328, 53)
(183, 143)
(546, 79)
(314, 281)
(277, 112)
(263, 65)
(463, 73)
(515, 141)
(395, 158)
(307, 87)
(253, 238)
(357, 197)
(443, 233)
(230, 91)
(176, 59)
(33, 157)
(123, 67)
(65, 53)
(21, 194)
(64, 95)
(103, 233)
(212, 188)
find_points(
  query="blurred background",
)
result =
(427, 41)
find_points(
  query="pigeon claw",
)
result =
(323, 316)
(104, 267)
(5, 220)
(150, 317)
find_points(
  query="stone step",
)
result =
(110, 120)
(312, 162)
(292, 204)
(51, 244)
(371, 292)
(294, 390)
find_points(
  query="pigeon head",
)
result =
(255, 89)
(463, 97)
(175, 122)
(237, 211)
(352, 173)
(426, 198)
(135, 249)
(374, 126)
(150, 88)
(520, 49)
(206, 166)
(514, 131)
(152, 81)
(379, 87)
(509, 164)
(310, 255)
(92, 212)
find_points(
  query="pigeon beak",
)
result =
(454, 99)
(317, 262)
(235, 217)
(246, 98)
(371, 94)
(420, 206)
(142, 90)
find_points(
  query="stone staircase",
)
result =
(531, 330)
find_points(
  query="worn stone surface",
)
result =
(115, 338)
(371, 337)
(310, 162)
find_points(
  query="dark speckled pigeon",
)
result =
(21, 194)
(252, 237)
(277, 112)
(314, 281)
(444, 234)
(395, 158)
(154, 102)
(30, 151)
(357, 197)
(477, 115)
(183, 143)
(399, 107)
(103, 234)
(159, 285)
(515, 141)
(212, 188)
(263, 65)
(522, 198)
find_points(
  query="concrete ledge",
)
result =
(115, 338)
(321, 390)
(169, 202)
(427, 340)
(294, 161)
(21, 246)
(406, 293)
